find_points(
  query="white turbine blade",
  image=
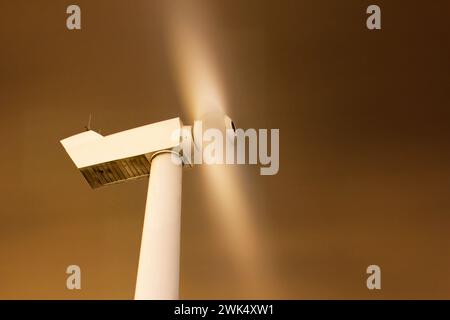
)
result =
(195, 65)
(202, 91)
(237, 221)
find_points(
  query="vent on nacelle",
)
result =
(116, 171)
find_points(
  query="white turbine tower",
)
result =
(151, 150)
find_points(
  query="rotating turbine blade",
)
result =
(202, 92)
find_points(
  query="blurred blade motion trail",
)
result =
(192, 31)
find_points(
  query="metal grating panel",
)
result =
(116, 171)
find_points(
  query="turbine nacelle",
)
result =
(123, 156)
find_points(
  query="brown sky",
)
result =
(364, 146)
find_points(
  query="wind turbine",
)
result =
(147, 151)
(154, 150)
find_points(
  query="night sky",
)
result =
(364, 147)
